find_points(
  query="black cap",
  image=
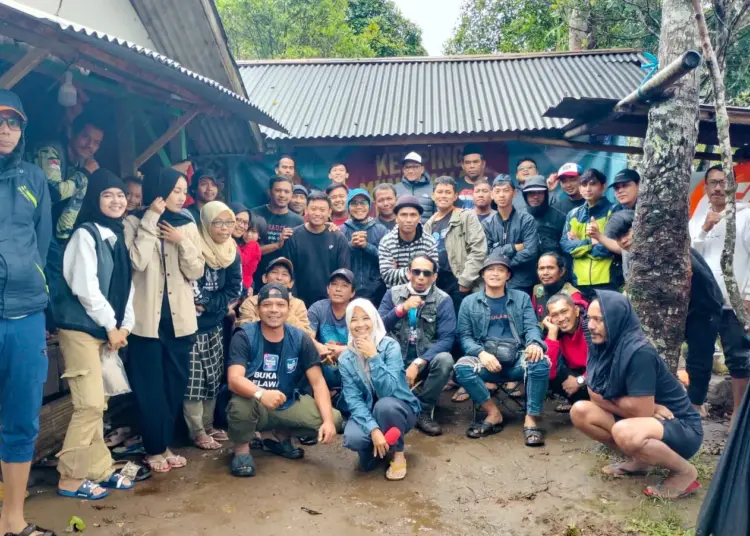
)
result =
(626, 175)
(343, 273)
(283, 261)
(494, 259)
(273, 290)
(299, 189)
(472, 148)
(408, 201)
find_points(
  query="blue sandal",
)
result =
(116, 481)
(85, 491)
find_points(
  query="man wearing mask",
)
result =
(364, 235)
(204, 188)
(514, 234)
(569, 195)
(707, 234)
(416, 182)
(338, 192)
(385, 200)
(482, 197)
(404, 242)
(549, 221)
(420, 317)
(26, 229)
(473, 166)
(298, 204)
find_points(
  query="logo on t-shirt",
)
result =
(291, 364)
(503, 316)
(270, 362)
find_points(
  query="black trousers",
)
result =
(158, 370)
(557, 388)
(700, 334)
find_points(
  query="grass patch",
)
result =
(706, 464)
(659, 518)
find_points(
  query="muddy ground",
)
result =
(455, 485)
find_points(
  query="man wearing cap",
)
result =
(279, 270)
(416, 182)
(204, 188)
(625, 185)
(549, 220)
(316, 248)
(473, 166)
(502, 343)
(298, 204)
(482, 198)
(569, 195)
(404, 242)
(338, 192)
(364, 234)
(328, 324)
(26, 227)
(420, 317)
(461, 242)
(267, 362)
(514, 234)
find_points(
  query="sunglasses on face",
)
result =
(359, 203)
(416, 272)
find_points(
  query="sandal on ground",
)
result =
(218, 435)
(256, 443)
(563, 408)
(616, 469)
(460, 396)
(484, 429)
(116, 481)
(141, 473)
(308, 440)
(157, 466)
(31, 529)
(206, 442)
(117, 436)
(660, 492)
(131, 447)
(514, 389)
(396, 471)
(285, 449)
(533, 436)
(84, 491)
(243, 465)
(176, 461)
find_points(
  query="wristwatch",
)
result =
(581, 380)
(258, 394)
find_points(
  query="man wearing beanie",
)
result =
(404, 242)
(364, 235)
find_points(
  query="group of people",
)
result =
(311, 317)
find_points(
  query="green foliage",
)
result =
(271, 29)
(659, 518)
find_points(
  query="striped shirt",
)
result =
(395, 255)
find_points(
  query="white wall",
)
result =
(113, 17)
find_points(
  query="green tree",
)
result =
(387, 31)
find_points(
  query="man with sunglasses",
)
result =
(420, 317)
(26, 228)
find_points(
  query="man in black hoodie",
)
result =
(550, 222)
(26, 230)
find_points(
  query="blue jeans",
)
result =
(387, 412)
(332, 376)
(23, 371)
(471, 375)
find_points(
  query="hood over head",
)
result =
(10, 101)
(536, 183)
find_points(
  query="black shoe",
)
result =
(427, 424)
(284, 449)
(308, 440)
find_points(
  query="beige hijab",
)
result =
(217, 256)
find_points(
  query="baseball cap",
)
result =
(343, 272)
(273, 290)
(494, 259)
(299, 189)
(283, 261)
(503, 179)
(569, 169)
(412, 157)
(537, 183)
(408, 201)
(10, 101)
(626, 175)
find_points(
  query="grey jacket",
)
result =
(503, 236)
(422, 190)
(466, 245)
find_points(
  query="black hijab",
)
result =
(608, 362)
(162, 186)
(119, 286)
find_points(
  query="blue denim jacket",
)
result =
(387, 378)
(474, 321)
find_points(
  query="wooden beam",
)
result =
(177, 124)
(125, 138)
(23, 67)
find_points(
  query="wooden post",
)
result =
(125, 138)
(23, 67)
(177, 124)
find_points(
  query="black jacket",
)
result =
(550, 223)
(503, 236)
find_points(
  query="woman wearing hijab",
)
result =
(215, 295)
(247, 230)
(375, 388)
(166, 255)
(553, 277)
(94, 307)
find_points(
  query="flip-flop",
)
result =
(84, 491)
(31, 529)
(563, 408)
(129, 448)
(117, 481)
(484, 429)
(208, 443)
(616, 469)
(243, 465)
(157, 466)
(218, 435)
(531, 432)
(460, 396)
(285, 449)
(176, 461)
(659, 492)
(393, 469)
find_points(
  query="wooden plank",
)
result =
(53, 424)
(23, 67)
(177, 125)
(125, 138)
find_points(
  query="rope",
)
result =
(652, 68)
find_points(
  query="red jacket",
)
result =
(573, 348)
(250, 256)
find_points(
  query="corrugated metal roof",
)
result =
(144, 58)
(317, 99)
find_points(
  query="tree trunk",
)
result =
(578, 27)
(722, 127)
(659, 278)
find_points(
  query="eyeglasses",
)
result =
(527, 168)
(714, 183)
(14, 123)
(359, 203)
(416, 272)
(412, 167)
(241, 223)
(220, 223)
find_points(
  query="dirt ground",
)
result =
(455, 485)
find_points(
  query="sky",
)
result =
(437, 18)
